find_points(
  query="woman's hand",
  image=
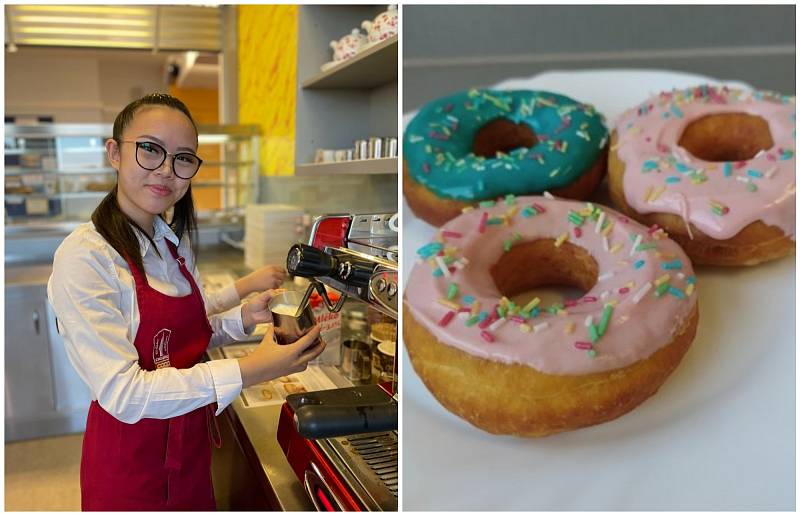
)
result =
(271, 360)
(256, 311)
(265, 278)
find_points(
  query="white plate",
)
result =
(719, 435)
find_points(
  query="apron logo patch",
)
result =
(161, 348)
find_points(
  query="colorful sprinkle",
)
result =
(607, 310)
(662, 288)
(569, 328)
(429, 250)
(642, 291)
(600, 221)
(593, 333)
(452, 291)
(485, 335)
(484, 218)
(636, 243)
(486, 204)
(449, 304)
(661, 279)
(560, 240)
(727, 169)
(677, 293)
(451, 234)
(442, 267)
(639, 264)
(447, 318)
(541, 327)
(675, 264)
(583, 345)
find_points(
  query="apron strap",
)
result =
(213, 426)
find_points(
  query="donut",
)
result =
(482, 144)
(532, 370)
(715, 167)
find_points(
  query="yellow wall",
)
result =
(267, 80)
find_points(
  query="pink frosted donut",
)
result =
(528, 369)
(715, 167)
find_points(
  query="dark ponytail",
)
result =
(116, 227)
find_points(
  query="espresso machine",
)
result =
(342, 443)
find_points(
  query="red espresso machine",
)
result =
(343, 443)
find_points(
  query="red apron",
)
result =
(155, 464)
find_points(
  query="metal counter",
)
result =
(256, 431)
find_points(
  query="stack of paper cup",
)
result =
(270, 230)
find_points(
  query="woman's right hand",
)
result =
(270, 360)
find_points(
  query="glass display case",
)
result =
(59, 172)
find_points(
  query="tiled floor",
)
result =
(43, 474)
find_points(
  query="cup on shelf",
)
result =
(374, 147)
(361, 149)
(389, 147)
(325, 156)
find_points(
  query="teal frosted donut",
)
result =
(483, 144)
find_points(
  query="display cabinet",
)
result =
(60, 172)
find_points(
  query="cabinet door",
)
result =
(29, 384)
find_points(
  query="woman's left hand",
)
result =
(256, 310)
(267, 277)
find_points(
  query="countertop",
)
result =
(260, 425)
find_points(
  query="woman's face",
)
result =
(144, 194)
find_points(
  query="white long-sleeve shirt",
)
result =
(93, 294)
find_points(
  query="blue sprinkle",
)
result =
(673, 179)
(639, 264)
(650, 165)
(675, 264)
(429, 250)
(468, 300)
(754, 173)
(438, 273)
(482, 316)
(727, 169)
(677, 293)
(535, 312)
(680, 167)
(691, 280)
(675, 111)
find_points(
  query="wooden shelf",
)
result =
(370, 68)
(363, 167)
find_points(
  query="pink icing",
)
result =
(635, 330)
(648, 135)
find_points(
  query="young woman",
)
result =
(125, 291)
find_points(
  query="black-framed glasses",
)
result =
(150, 156)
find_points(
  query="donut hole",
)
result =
(502, 135)
(727, 137)
(538, 268)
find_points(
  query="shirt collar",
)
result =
(161, 230)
